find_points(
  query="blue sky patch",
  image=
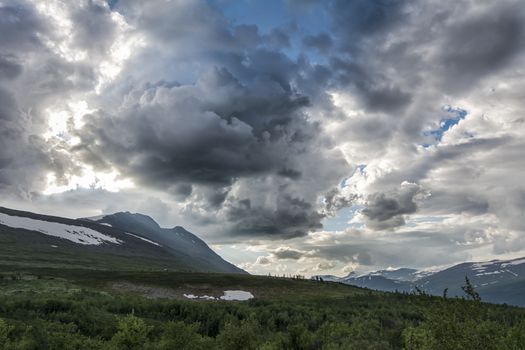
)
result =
(340, 222)
(454, 116)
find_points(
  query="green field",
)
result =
(50, 308)
(33, 249)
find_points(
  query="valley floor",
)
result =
(46, 308)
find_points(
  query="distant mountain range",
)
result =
(126, 241)
(497, 281)
(117, 241)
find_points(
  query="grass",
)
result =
(262, 287)
(32, 249)
(72, 308)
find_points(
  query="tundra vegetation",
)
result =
(60, 309)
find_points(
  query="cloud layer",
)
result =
(407, 116)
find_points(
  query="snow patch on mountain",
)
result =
(144, 239)
(514, 262)
(76, 234)
(489, 273)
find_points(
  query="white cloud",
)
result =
(226, 134)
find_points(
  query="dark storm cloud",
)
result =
(302, 4)
(466, 43)
(210, 133)
(20, 26)
(359, 19)
(8, 106)
(291, 217)
(265, 64)
(246, 119)
(250, 132)
(322, 41)
(289, 173)
(460, 202)
(376, 91)
(277, 39)
(482, 44)
(183, 190)
(20, 157)
(169, 24)
(247, 35)
(380, 98)
(95, 30)
(334, 200)
(385, 211)
(9, 67)
(242, 120)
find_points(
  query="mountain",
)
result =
(377, 282)
(498, 281)
(177, 240)
(494, 280)
(29, 239)
(327, 278)
(402, 274)
(386, 280)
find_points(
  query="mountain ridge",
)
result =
(499, 281)
(57, 241)
(177, 239)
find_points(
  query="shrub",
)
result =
(132, 334)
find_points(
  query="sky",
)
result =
(295, 137)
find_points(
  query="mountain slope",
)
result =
(498, 281)
(402, 274)
(386, 280)
(377, 282)
(509, 292)
(30, 239)
(177, 240)
(486, 277)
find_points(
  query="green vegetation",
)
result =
(30, 249)
(78, 309)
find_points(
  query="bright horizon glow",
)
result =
(90, 179)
